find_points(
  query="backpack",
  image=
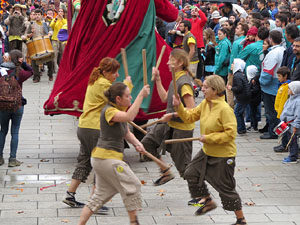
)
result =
(10, 93)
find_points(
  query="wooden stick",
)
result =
(124, 60)
(152, 123)
(286, 148)
(137, 127)
(172, 141)
(160, 163)
(159, 59)
(144, 67)
(174, 82)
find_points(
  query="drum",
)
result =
(40, 48)
(281, 128)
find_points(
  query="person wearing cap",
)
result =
(215, 17)
(16, 27)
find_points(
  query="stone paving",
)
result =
(49, 147)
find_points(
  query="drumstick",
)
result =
(124, 60)
(152, 123)
(144, 66)
(159, 59)
(289, 141)
(160, 163)
(174, 82)
(137, 127)
(172, 141)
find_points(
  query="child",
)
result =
(241, 91)
(291, 112)
(283, 74)
(253, 78)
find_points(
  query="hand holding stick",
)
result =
(124, 60)
(159, 59)
(144, 67)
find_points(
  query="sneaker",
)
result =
(1, 161)
(288, 160)
(194, 201)
(103, 210)
(280, 148)
(70, 200)
(242, 132)
(14, 162)
(252, 130)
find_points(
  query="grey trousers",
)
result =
(219, 173)
(115, 176)
(181, 153)
(88, 139)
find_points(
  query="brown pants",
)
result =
(115, 176)
(219, 173)
(181, 153)
(88, 139)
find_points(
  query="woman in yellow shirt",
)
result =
(113, 175)
(88, 131)
(173, 127)
(215, 162)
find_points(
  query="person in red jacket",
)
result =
(198, 22)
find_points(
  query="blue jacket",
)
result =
(268, 78)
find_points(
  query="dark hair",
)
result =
(245, 27)
(38, 11)
(297, 17)
(263, 2)
(246, 2)
(297, 39)
(284, 71)
(15, 55)
(187, 24)
(276, 36)
(256, 23)
(107, 64)
(263, 33)
(224, 31)
(256, 15)
(116, 89)
(292, 30)
(282, 18)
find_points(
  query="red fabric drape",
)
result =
(91, 40)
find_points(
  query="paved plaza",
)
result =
(31, 194)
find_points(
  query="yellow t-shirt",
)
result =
(103, 153)
(94, 102)
(217, 123)
(56, 26)
(185, 90)
(192, 40)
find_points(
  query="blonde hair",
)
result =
(181, 55)
(216, 83)
(210, 34)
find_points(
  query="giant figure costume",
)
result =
(101, 29)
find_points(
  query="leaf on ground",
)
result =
(21, 183)
(161, 190)
(161, 194)
(16, 170)
(168, 214)
(250, 203)
(20, 212)
(20, 189)
(256, 185)
(44, 160)
(29, 166)
(143, 182)
(65, 221)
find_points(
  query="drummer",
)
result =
(38, 28)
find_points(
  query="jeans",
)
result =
(15, 117)
(271, 114)
(239, 110)
(293, 146)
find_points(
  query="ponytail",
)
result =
(117, 89)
